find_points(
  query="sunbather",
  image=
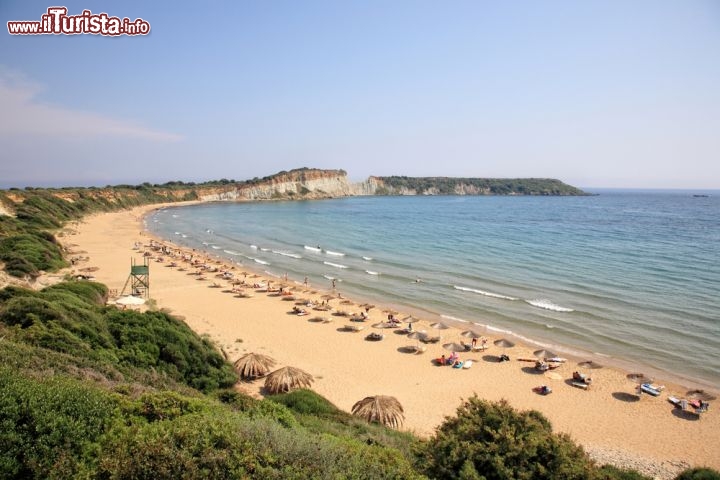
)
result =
(542, 390)
(581, 377)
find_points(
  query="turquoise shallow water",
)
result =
(631, 276)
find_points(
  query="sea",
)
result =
(628, 278)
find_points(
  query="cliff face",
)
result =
(297, 184)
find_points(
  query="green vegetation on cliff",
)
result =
(475, 186)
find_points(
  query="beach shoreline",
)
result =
(605, 418)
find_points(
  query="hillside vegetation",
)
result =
(474, 186)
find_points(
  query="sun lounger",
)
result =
(649, 389)
(582, 385)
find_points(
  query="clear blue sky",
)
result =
(612, 93)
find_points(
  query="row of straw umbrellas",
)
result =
(382, 409)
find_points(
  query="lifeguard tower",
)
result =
(138, 280)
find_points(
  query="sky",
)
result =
(610, 93)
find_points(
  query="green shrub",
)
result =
(157, 340)
(699, 474)
(28, 253)
(46, 426)
(164, 406)
(306, 401)
(611, 472)
(494, 441)
(69, 318)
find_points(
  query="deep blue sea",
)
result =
(630, 278)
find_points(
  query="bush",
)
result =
(157, 340)
(306, 402)
(46, 426)
(494, 441)
(699, 474)
(28, 253)
(220, 445)
(69, 318)
(610, 472)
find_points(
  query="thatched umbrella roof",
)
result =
(254, 365)
(454, 347)
(380, 409)
(701, 395)
(471, 334)
(543, 354)
(639, 378)
(287, 378)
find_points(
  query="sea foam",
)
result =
(336, 265)
(548, 305)
(483, 292)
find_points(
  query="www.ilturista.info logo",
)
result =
(57, 22)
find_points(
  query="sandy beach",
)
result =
(608, 419)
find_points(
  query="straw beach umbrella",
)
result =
(253, 365)
(701, 395)
(470, 334)
(287, 378)
(543, 354)
(439, 326)
(454, 347)
(639, 378)
(380, 409)
(504, 344)
(419, 335)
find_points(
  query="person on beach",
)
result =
(333, 284)
(306, 281)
